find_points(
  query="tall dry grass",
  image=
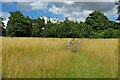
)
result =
(48, 57)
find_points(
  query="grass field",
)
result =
(48, 57)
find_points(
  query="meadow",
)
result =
(49, 58)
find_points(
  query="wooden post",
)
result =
(69, 44)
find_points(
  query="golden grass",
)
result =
(48, 57)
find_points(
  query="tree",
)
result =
(27, 24)
(74, 31)
(2, 28)
(63, 29)
(118, 12)
(37, 25)
(110, 33)
(84, 30)
(114, 25)
(97, 20)
(96, 25)
(48, 29)
(18, 25)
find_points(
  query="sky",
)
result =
(76, 11)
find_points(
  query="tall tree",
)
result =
(63, 29)
(18, 25)
(37, 26)
(84, 30)
(2, 28)
(48, 29)
(118, 13)
(96, 25)
(110, 33)
(73, 30)
(97, 20)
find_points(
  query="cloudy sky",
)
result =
(76, 11)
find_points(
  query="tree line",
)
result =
(96, 25)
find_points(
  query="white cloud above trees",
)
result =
(5, 16)
(38, 5)
(80, 10)
(74, 10)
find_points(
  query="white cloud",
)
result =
(7, 0)
(78, 16)
(18, 0)
(38, 5)
(55, 10)
(112, 13)
(54, 20)
(80, 10)
(24, 5)
(6, 21)
(69, 2)
(74, 10)
(5, 16)
(45, 18)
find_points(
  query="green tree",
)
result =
(97, 20)
(63, 28)
(73, 31)
(84, 30)
(114, 25)
(18, 25)
(96, 25)
(110, 33)
(2, 28)
(37, 25)
(50, 29)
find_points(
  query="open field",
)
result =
(48, 57)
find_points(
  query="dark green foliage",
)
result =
(110, 33)
(49, 29)
(118, 9)
(67, 29)
(37, 25)
(96, 25)
(97, 20)
(18, 25)
(2, 28)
